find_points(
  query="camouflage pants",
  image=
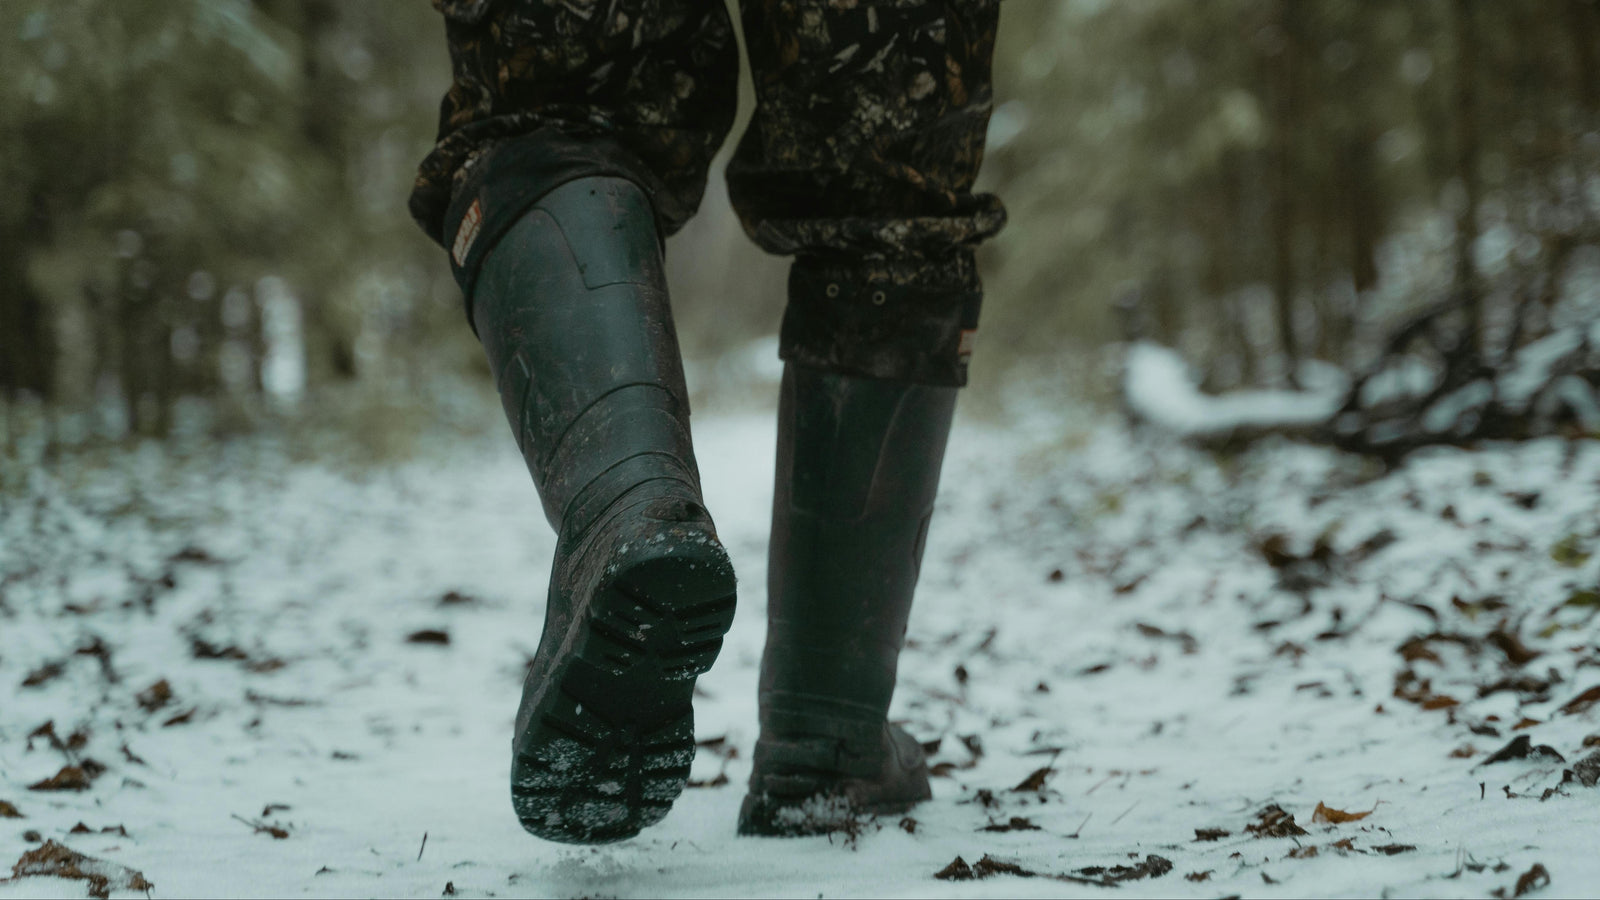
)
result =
(860, 160)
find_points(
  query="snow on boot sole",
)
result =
(608, 746)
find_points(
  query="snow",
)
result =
(1159, 386)
(1182, 638)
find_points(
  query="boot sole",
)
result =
(608, 746)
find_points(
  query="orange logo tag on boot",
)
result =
(467, 234)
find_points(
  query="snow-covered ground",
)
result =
(277, 678)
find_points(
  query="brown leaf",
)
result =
(429, 636)
(204, 649)
(182, 718)
(1525, 722)
(1274, 821)
(1209, 834)
(70, 778)
(1511, 645)
(1327, 815)
(7, 811)
(1307, 852)
(55, 860)
(1440, 701)
(1017, 823)
(1465, 751)
(1531, 880)
(1199, 876)
(958, 870)
(1521, 747)
(46, 673)
(1035, 782)
(155, 696)
(1582, 702)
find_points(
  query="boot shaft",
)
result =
(572, 309)
(858, 470)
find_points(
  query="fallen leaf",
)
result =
(909, 825)
(1327, 815)
(7, 811)
(155, 696)
(1152, 867)
(182, 718)
(958, 870)
(1017, 823)
(1199, 876)
(1569, 552)
(1521, 747)
(46, 673)
(1529, 881)
(1307, 852)
(70, 778)
(1392, 849)
(1525, 723)
(1585, 771)
(429, 636)
(1582, 702)
(1035, 782)
(1209, 834)
(1274, 821)
(1465, 751)
(201, 648)
(55, 860)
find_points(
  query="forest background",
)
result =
(203, 226)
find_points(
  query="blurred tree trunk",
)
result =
(27, 338)
(1466, 287)
(1283, 184)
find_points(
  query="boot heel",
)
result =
(608, 749)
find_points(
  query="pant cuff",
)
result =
(911, 321)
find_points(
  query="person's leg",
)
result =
(860, 161)
(574, 136)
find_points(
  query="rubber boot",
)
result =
(858, 467)
(572, 310)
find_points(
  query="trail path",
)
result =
(1118, 643)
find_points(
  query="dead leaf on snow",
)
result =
(45, 674)
(1152, 867)
(155, 696)
(1529, 881)
(1521, 747)
(958, 870)
(429, 636)
(1392, 849)
(1210, 834)
(70, 778)
(1274, 821)
(7, 811)
(1035, 782)
(55, 860)
(1327, 815)
(1309, 851)
(1582, 702)
(1017, 823)
(1199, 876)
(1585, 771)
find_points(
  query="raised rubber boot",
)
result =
(858, 467)
(572, 309)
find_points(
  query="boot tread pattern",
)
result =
(609, 749)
